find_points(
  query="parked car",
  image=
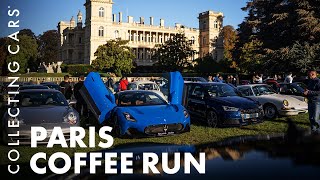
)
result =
(273, 83)
(143, 85)
(52, 85)
(219, 105)
(40, 107)
(137, 112)
(25, 87)
(273, 104)
(194, 79)
(293, 89)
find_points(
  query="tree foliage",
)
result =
(27, 53)
(49, 46)
(175, 54)
(114, 55)
(279, 28)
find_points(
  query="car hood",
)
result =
(281, 97)
(155, 114)
(236, 101)
(43, 114)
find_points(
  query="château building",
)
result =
(80, 40)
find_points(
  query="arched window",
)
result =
(204, 25)
(101, 12)
(215, 24)
(116, 34)
(101, 31)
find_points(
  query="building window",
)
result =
(101, 12)
(204, 41)
(101, 31)
(192, 39)
(204, 25)
(215, 24)
(116, 34)
(80, 40)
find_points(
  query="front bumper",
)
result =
(241, 118)
(25, 133)
(292, 112)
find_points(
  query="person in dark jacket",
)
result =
(81, 104)
(313, 94)
(66, 87)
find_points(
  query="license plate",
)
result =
(250, 116)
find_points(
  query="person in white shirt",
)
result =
(289, 78)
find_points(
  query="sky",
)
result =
(43, 15)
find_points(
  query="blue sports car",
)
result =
(138, 112)
(219, 105)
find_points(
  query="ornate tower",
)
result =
(98, 19)
(79, 17)
(210, 39)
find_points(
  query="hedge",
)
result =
(78, 69)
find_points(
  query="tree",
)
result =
(27, 53)
(49, 46)
(175, 54)
(27, 32)
(229, 40)
(115, 55)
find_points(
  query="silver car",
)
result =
(47, 108)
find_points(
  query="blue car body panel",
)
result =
(169, 116)
(101, 101)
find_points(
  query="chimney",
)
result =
(151, 21)
(161, 22)
(130, 19)
(114, 18)
(141, 20)
(120, 17)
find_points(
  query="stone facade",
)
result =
(79, 43)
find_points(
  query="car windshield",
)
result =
(263, 90)
(147, 86)
(139, 99)
(38, 98)
(220, 90)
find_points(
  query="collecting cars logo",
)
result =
(13, 112)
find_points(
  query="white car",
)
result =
(146, 85)
(274, 104)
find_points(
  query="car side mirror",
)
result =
(72, 102)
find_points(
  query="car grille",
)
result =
(250, 111)
(163, 128)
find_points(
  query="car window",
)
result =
(220, 90)
(140, 99)
(197, 91)
(132, 86)
(29, 99)
(263, 90)
(245, 91)
(147, 86)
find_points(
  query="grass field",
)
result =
(199, 134)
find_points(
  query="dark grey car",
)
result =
(47, 108)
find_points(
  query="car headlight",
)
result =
(285, 102)
(16, 119)
(71, 118)
(228, 108)
(129, 117)
(185, 113)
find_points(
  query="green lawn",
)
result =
(199, 134)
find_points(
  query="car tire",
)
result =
(212, 119)
(270, 111)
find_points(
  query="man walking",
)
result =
(81, 104)
(313, 94)
(66, 87)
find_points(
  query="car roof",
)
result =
(39, 90)
(33, 85)
(252, 85)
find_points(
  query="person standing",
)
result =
(313, 94)
(123, 84)
(288, 78)
(210, 78)
(217, 79)
(81, 104)
(110, 83)
(66, 87)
